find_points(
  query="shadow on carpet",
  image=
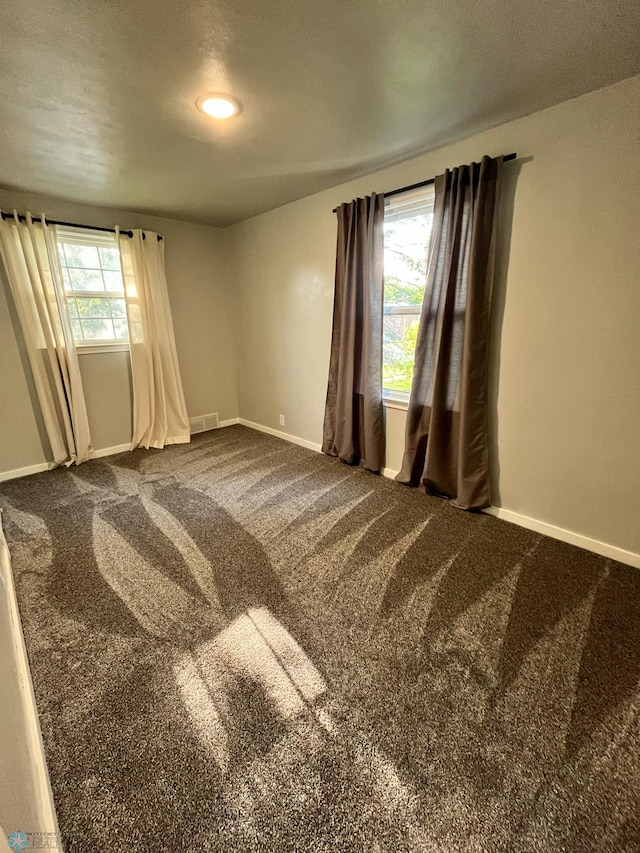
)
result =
(239, 644)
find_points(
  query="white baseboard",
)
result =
(630, 558)
(109, 451)
(15, 473)
(25, 472)
(303, 442)
(42, 794)
(48, 466)
(293, 439)
(602, 548)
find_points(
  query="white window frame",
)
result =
(392, 398)
(90, 237)
(413, 202)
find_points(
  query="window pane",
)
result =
(82, 256)
(109, 258)
(98, 330)
(94, 306)
(121, 330)
(77, 330)
(113, 281)
(406, 248)
(118, 308)
(406, 243)
(86, 267)
(85, 279)
(400, 332)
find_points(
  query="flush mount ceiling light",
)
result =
(218, 106)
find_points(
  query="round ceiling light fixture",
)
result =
(218, 106)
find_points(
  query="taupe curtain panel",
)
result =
(354, 421)
(446, 445)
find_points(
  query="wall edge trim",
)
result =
(14, 473)
(604, 549)
(110, 451)
(45, 805)
(39, 467)
(293, 439)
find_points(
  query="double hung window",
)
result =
(94, 288)
(407, 231)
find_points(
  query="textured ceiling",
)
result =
(97, 98)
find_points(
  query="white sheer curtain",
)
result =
(30, 256)
(159, 411)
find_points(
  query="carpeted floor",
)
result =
(242, 645)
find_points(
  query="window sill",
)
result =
(91, 349)
(395, 403)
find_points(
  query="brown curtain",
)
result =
(446, 445)
(353, 420)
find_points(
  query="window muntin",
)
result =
(94, 287)
(407, 232)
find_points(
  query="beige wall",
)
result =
(198, 291)
(565, 411)
(566, 357)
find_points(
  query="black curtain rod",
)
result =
(505, 158)
(23, 218)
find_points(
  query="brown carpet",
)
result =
(242, 645)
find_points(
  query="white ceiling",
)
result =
(97, 98)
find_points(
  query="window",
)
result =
(407, 230)
(94, 288)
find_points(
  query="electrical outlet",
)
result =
(281, 420)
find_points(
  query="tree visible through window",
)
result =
(94, 287)
(408, 222)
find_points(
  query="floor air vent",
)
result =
(203, 423)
